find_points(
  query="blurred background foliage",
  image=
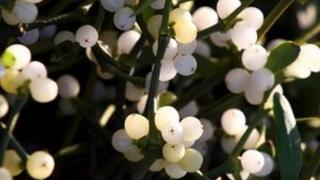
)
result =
(42, 126)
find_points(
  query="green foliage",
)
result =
(282, 55)
(287, 139)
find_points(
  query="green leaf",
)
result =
(287, 139)
(282, 55)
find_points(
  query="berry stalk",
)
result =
(19, 104)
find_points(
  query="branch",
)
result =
(274, 15)
(18, 105)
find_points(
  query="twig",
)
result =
(274, 15)
(18, 105)
(309, 35)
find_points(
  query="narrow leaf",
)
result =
(282, 55)
(287, 139)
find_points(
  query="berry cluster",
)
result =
(19, 74)
(178, 156)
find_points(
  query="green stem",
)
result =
(310, 34)
(163, 41)
(144, 29)
(206, 32)
(14, 144)
(220, 170)
(152, 151)
(100, 18)
(152, 154)
(120, 101)
(229, 21)
(237, 150)
(311, 167)
(219, 105)
(108, 64)
(18, 148)
(142, 6)
(274, 15)
(77, 120)
(77, 14)
(18, 105)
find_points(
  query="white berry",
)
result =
(40, 165)
(136, 126)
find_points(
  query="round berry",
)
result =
(185, 31)
(112, 5)
(43, 90)
(185, 64)
(154, 25)
(136, 126)
(157, 165)
(4, 106)
(243, 35)
(121, 141)
(134, 154)
(226, 7)
(34, 69)
(174, 170)
(157, 4)
(8, 17)
(5, 174)
(267, 166)
(29, 37)
(127, 41)
(253, 97)
(252, 16)
(205, 17)
(12, 162)
(236, 80)
(24, 11)
(187, 48)
(12, 80)
(191, 161)
(254, 57)
(261, 80)
(69, 86)
(172, 133)
(173, 153)
(165, 115)
(124, 18)
(87, 36)
(167, 70)
(192, 128)
(180, 14)
(40, 165)
(18, 56)
(252, 161)
(233, 121)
